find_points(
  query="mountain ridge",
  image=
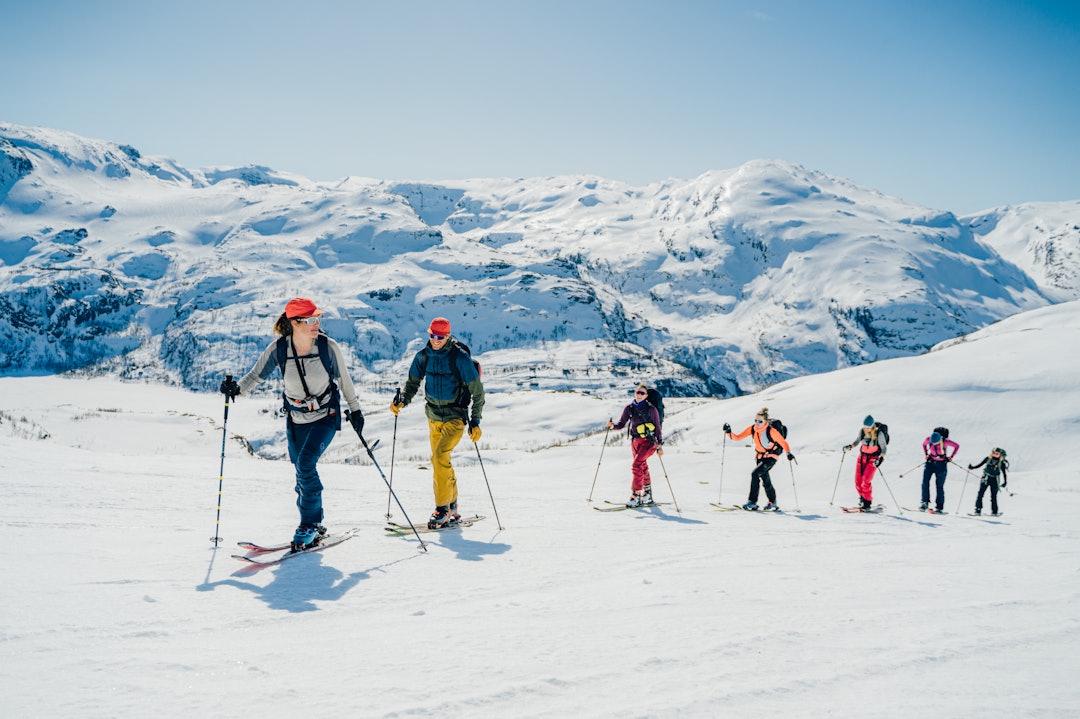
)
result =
(119, 263)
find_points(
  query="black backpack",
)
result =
(883, 429)
(775, 424)
(779, 427)
(464, 398)
(943, 431)
(657, 400)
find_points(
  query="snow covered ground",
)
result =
(117, 604)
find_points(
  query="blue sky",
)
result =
(956, 105)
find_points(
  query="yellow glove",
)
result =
(475, 433)
(395, 407)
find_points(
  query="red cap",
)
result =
(301, 307)
(440, 326)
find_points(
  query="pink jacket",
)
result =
(938, 452)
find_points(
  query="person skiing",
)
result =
(451, 382)
(769, 444)
(937, 448)
(873, 444)
(996, 465)
(315, 377)
(646, 439)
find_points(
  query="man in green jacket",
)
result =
(452, 385)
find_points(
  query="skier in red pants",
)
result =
(873, 441)
(646, 440)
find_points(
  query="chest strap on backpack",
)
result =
(311, 403)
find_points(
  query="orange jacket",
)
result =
(758, 430)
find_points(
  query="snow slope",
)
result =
(116, 603)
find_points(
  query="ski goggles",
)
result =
(437, 338)
(307, 320)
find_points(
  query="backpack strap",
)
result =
(323, 345)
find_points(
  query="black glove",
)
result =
(971, 466)
(878, 461)
(790, 457)
(356, 419)
(1006, 484)
(727, 428)
(229, 388)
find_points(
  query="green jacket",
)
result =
(452, 383)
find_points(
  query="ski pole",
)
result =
(216, 539)
(898, 508)
(393, 450)
(669, 484)
(393, 494)
(920, 464)
(484, 471)
(836, 484)
(720, 494)
(964, 487)
(602, 448)
(793, 490)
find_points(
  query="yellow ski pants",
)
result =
(444, 437)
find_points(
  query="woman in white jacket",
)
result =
(315, 378)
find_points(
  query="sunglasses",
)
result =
(759, 421)
(438, 338)
(306, 320)
(641, 394)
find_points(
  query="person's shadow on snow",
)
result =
(297, 585)
(656, 512)
(470, 549)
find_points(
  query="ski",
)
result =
(931, 510)
(253, 547)
(404, 530)
(723, 507)
(286, 552)
(621, 507)
(876, 509)
(985, 516)
(761, 510)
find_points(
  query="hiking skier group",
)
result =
(315, 379)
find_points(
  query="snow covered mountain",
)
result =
(113, 262)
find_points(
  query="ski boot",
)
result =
(441, 518)
(634, 501)
(750, 506)
(305, 537)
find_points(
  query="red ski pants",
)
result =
(639, 469)
(864, 475)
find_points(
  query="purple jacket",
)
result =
(938, 452)
(637, 414)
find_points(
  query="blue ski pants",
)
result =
(307, 442)
(937, 470)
